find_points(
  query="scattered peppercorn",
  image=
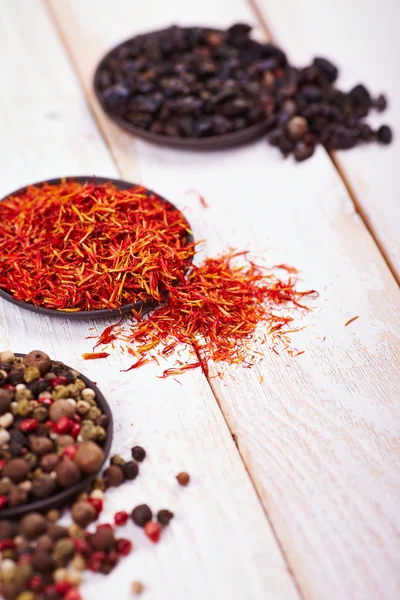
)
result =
(183, 478)
(141, 515)
(164, 516)
(130, 470)
(137, 588)
(138, 453)
(153, 531)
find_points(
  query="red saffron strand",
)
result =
(94, 355)
(221, 310)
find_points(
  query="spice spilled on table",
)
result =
(223, 309)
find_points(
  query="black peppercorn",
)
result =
(164, 516)
(141, 515)
(138, 453)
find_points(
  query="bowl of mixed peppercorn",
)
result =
(55, 433)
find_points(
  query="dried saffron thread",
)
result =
(76, 247)
(222, 308)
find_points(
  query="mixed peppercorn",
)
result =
(193, 82)
(42, 454)
(52, 430)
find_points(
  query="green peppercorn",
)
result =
(31, 460)
(94, 412)
(73, 391)
(24, 407)
(31, 373)
(23, 394)
(60, 392)
(63, 551)
(88, 432)
(41, 413)
(117, 460)
(99, 434)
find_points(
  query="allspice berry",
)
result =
(89, 457)
(56, 532)
(17, 497)
(33, 525)
(44, 544)
(7, 529)
(130, 470)
(183, 478)
(68, 473)
(61, 408)
(6, 397)
(16, 469)
(83, 514)
(38, 359)
(141, 515)
(49, 462)
(113, 476)
(103, 539)
(43, 486)
(40, 444)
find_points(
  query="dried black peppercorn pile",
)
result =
(196, 83)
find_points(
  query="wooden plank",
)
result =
(220, 544)
(364, 43)
(320, 434)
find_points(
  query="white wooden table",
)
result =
(296, 480)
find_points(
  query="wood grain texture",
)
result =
(220, 544)
(320, 434)
(362, 39)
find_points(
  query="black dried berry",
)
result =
(327, 67)
(138, 453)
(141, 515)
(385, 135)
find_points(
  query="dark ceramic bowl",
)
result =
(214, 142)
(142, 305)
(64, 497)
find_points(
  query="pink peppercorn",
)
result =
(82, 547)
(123, 546)
(63, 425)
(29, 425)
(46, 401)
(153, 531)
(59, 381)
(2, 463)
(35, 583)
(96, 503)
(73, 594)
(7, 544)
(62, 587)
(120, 518)
(75, 431)
(69, 451)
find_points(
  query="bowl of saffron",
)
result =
(84, 247)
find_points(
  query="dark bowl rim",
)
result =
(62, 498)
(142, 305)
(215, 142)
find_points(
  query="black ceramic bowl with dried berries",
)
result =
(189, 87)
(55, 433)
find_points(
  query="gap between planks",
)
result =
(357, 205)
(100, 122)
